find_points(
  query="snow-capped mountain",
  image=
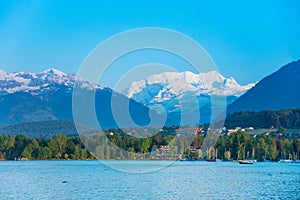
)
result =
(36, 83)
(30, 97)
(169, 88)
(47, 95)
(172, 84)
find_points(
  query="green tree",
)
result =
(44, 153)
(66, 156)
(58, 145)
(27, 151)
(7, 147)
(145, 145)
(83, 153)
(70, 148)
(77, 152)
(234, 145)
(20, 143)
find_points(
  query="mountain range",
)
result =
(30, 97)
(40, 83)
(183, 94)
(46, 96)
(167, 85)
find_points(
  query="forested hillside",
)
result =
(288, 118)
(43, 129)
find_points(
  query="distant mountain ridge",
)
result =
(177, 90)
(280, 90)
(177, 83)
(30, 97)
(43, 129)
(37, 83)
(286, 118)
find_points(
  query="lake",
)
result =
(180, 180)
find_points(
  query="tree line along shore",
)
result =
(114, 144)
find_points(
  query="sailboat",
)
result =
(246, 161)
(249, 162)
(286, 160)
(297, 158)
(265, 157)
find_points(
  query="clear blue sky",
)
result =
(247, 39)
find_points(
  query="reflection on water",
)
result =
(181, 180)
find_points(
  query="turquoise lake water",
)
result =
(181, 180)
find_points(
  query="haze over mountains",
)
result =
(31, 97)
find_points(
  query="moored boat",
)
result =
(249, 162)
(285, 161)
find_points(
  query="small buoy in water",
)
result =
(64, 181)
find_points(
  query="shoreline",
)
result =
(201, 161)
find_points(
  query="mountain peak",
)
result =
(53, 71)
(35, 83)
(178, 83)
(2, 73)
(169, 88)
(213, 73)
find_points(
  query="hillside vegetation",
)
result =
(287, 118)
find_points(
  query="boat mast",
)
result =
(244, 151)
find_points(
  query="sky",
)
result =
(247, 40)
